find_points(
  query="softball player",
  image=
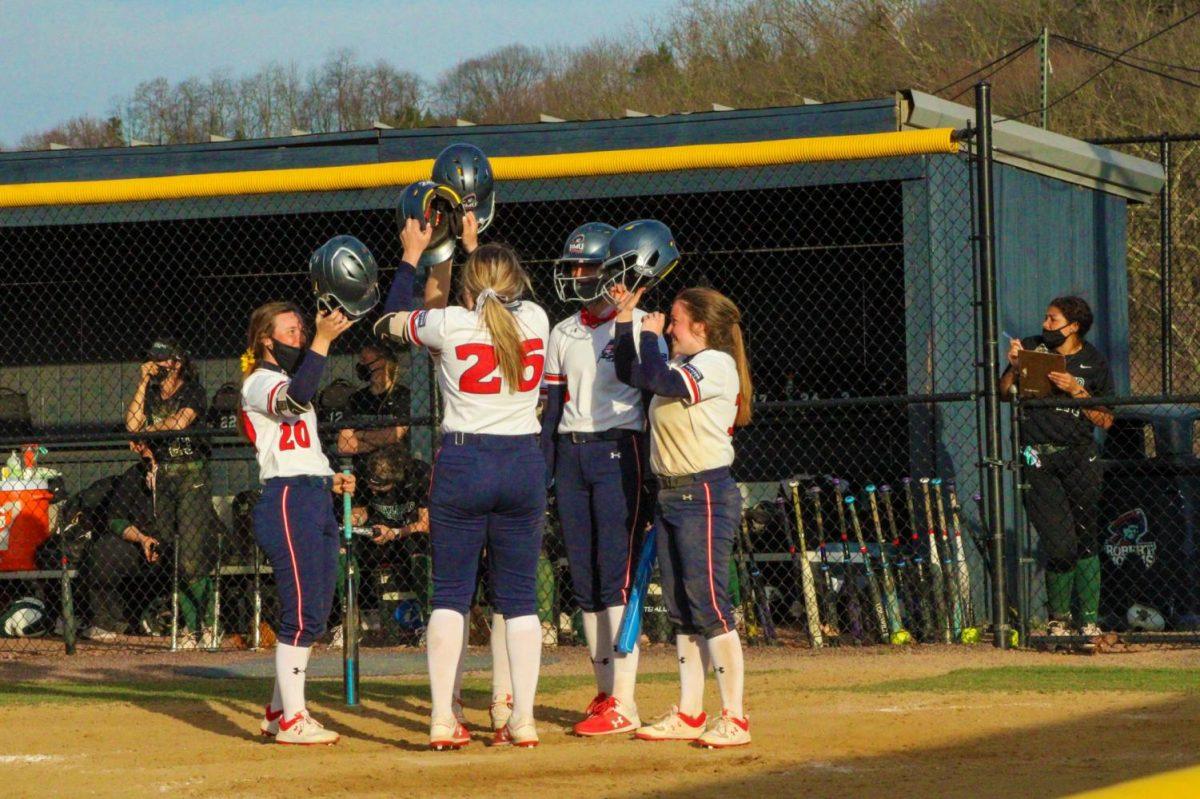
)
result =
(594, 442)
(700, 395)
(293, 520)
(489, 473)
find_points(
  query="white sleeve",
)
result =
(426, 328)
(708, 374)
(554, 374)
(260, 390)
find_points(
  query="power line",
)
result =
(1112, 60)
(1015, 54)
(1093, 48)
(1015, 51)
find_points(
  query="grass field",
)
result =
(927, 723)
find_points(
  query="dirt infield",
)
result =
(932, 722)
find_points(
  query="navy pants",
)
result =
(696, 528)
(487, 490)
(598, 485)
(295, 526)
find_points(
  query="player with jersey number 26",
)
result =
(293, 520)
(700, 395)
(488, 477)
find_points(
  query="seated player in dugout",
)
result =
(384, 395)
(170, 397)
(1059, 451)
(396, 503)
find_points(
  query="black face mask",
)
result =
(289, 358)
(1053, 337)
(364, 370)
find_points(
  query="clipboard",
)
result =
(1033, 370)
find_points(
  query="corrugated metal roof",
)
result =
(1041, 151)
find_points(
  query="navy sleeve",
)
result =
(305, 382)
(624, 354)
(400, 293)
(551, 415)
(650, 372)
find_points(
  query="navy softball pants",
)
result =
(697, 523)
(295, 526)
(598, 485)
(487, 490)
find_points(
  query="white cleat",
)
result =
(726, 732)
(500, 712)
(270, 722)
(303, 730)
(447, 734)
(673, 726)
(523, 733)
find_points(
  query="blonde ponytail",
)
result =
(493, 276)
(723, 331)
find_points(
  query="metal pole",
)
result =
(991, 395)
(1166, 279)
(1044, 79)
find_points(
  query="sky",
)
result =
(64, 58)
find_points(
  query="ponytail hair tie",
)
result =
(248, 362)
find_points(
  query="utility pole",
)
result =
(1044, 74)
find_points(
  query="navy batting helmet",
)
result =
(437, 206)
(586, 246)
(640, 254)
(465, 169)
(345, 276)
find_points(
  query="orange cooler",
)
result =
(24, 522)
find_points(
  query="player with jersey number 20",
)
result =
(293, 520)
(700, 395)
(488, 477)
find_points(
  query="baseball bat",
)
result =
(808, 585)
(891, 600)
(872, 581)
(631, 620)
(947, 552)
(850, 587)
(828, 594)
(961, 568)
(929, 621)
(914, 605)
(350, 617)
(936, 577)
(759, 596)
(753, 634)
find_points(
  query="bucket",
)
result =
(24, 522)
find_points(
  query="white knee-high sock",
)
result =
(693, 663)
(501, 675)
(591, 634)
(276, 698)
(624, 667)
(291, 662)
(462, 656)
(726, 653)
(524, 637)
(444, 644)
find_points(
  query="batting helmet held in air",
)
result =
(345, 276)
(465, 169)
(586, 246)
(434, 205)
(639, 255)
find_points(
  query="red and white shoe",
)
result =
(456, 707)
(726, 732)
(674, 726)
(597, 700)
(270, 723)
(448, 734)
(611, 716)
(303, 730)
(523, 734)
(501, 712)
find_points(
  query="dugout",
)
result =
(855, 270)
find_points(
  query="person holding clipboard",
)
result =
(1059, 450)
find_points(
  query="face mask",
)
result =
(364, 370)
(1054, 338)
(289, 358)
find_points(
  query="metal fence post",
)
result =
(1164, 256)
(991, 394)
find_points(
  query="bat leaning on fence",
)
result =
(912, 576)
(808, 585)
(891, 599)
(850, 587)
(962, 569)
(760, 600)
(935, 584)
(872, 581)
(631, 619)
(947, 552)
(828, 594)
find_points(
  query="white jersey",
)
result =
(476, 399)
(580, 359)
(696, 434)
(286, 445)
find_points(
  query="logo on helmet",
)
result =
(470, 202)
(575, 245)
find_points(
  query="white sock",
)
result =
(726, 653)
(444, 643)
(524, 637)
(591, 634)
(501, 676)
(276, 700)
(624, 667)
(693, 663)
(462, 656)
(291, 662)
